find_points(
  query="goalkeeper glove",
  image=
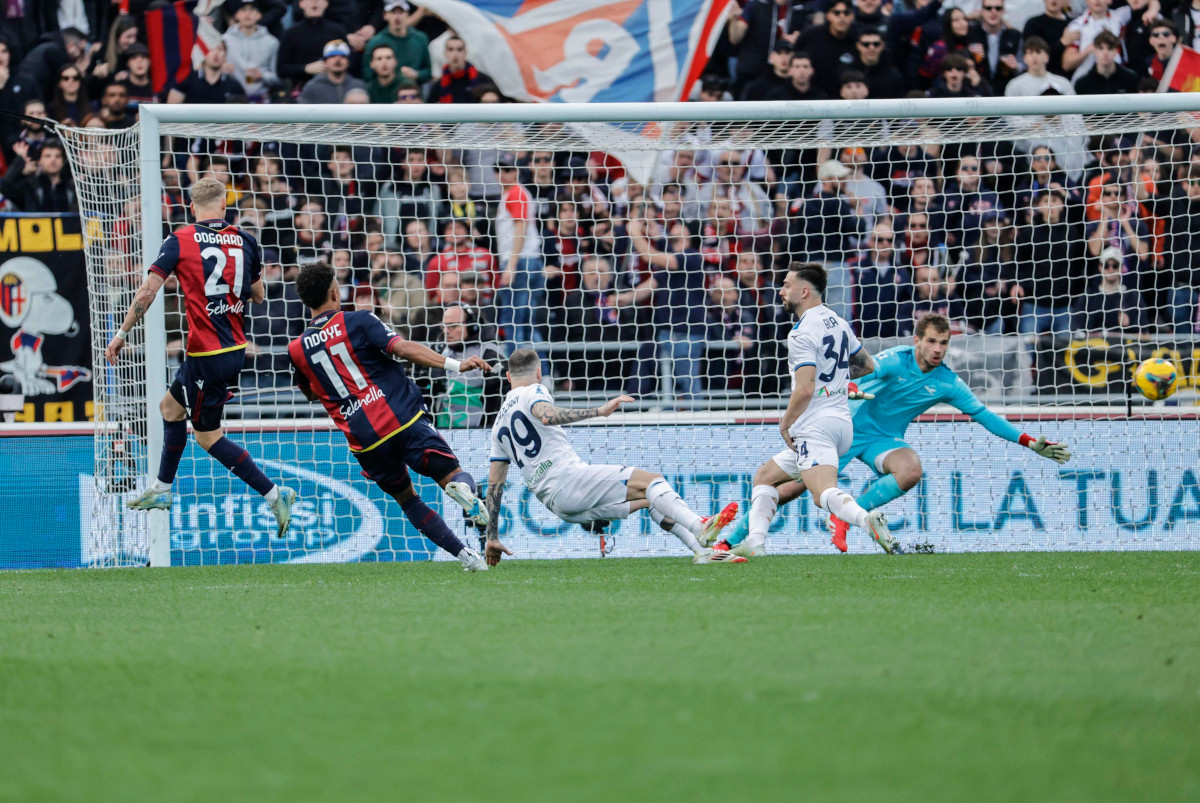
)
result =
(1058, 452)
(854, 394)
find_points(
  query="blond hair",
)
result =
(208, 192)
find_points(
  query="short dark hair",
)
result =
(939, 323)
(852, 77)
(1108, 39)
(312, 284)
(523, 362)
(955, 61)
(800, 54)
(812, 273)
(1164, 23)
(1036, 44)
(847, 3)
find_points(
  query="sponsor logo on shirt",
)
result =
(225, 308)
(541, 469)
(825, 391)
(354, 405)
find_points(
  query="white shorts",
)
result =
(820, 443)
(587, 493)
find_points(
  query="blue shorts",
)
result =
(868, 450)
(204, 384)
(419, 447)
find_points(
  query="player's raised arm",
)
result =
(553, 416)
(423, 355)
(969, 403)
(142, 300)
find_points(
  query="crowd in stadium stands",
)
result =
(555, 247)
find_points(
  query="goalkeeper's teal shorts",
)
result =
(870, 450)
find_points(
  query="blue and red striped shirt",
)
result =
(344, 359)
(216, 265)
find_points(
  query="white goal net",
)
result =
(644, 256)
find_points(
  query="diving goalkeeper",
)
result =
(907, 381)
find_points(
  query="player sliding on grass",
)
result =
(908, 380)
(528, 432)
(218, 268)
(823, 356)
(345, 359)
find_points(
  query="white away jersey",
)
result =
(821, 339)
(521, 439)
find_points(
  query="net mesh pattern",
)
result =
(651, 262)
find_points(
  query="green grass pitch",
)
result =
(1022, 677)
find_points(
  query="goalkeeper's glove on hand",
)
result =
(1058, 452)
(854, 394)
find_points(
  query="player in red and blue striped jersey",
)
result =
(218, 268)
(347, 361)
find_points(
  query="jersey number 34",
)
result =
(840, 357)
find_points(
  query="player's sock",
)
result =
(239, 461)
(431, 525)
(764, 501)
(842, 505)
(174, 442)
(678, 530)
(663, 498)
(737, 531)
(880, 492)
(464, 477)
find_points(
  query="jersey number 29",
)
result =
(840, 361)
(529, 439)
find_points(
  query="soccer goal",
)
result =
(1060, 236)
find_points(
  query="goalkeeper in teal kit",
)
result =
(907, 381)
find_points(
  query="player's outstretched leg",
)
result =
(158, 496)
(231, 455)
(666, 503)
(842, 505)
(462, 488)
(434, 527)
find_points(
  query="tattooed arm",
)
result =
(141, 302)
(553, 416)
(497, 475)
(861, 364)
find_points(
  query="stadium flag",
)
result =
(589, 50)
(179, 36)
(1182, 73)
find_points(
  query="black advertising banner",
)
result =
(45, 333)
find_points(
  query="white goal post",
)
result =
(748, 184)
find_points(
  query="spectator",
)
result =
(595, 311)
(122, 35)
(521, 297)
(991, 298)
(384, 83)
(27, 142)
(459, 76)
(1108, 304)
(1118, 225)
(543, 184)
(922, 195)
(410, 45)
(719, 235)
(273, 324)
(937, 43)
(918, 245)
(1135, 38)
(43, 65)
(1081, 33)
(417, 246)
(882, 78)
(871, 15)
(870, 198)
(995, 46)
(960, 79)
(801, 87)
(933, 292)
(1163, 38)
(562, 240)
(302, 47)
(755, 32)
(1050, 266)
(459, 253)
(1187, 29)
(460, 204)
(883, 287)
(1050, 27)
(735, 326)
(209, 84)
(114, 107)
(830, 46)
(332, 85)
(12, 94)
(776, 78)
(408, 92)
(1037, 80)
(823, 228)
(677, 278)
(273, 12)
(252, 51)
(70, 105)
(963, 203)
(412, 196)
(405, 307)
(42, 186)
(310, 241)
(751, 204)
(1107, 76)
(136, 77)
(470, 399)
(1177, 282)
